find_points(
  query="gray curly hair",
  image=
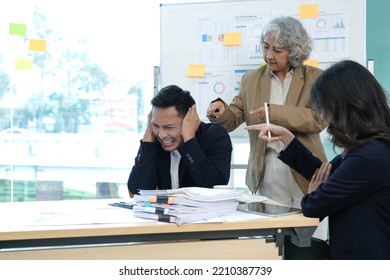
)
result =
(290, 33)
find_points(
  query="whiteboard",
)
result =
(191, 36)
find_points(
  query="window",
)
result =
(76, 79)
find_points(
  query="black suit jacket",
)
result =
(205, 162)
(356, 197)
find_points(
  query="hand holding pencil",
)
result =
(270, 132)
(279, 133)
(267, 117)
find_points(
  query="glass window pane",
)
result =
(76, 79)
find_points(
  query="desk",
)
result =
(24, 234)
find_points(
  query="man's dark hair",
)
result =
(174, 96)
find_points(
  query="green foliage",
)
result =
(26, 191)
(4, 83)
(92, 78)
(55, 108)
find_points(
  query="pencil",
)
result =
(267, 117)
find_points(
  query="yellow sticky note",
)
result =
(232, 39)
(23, 64)
(196, 70)
(308, 11)
(37, 45)
(311, 62)
(17, 29)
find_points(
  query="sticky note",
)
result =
(232, 39)
(17, 29)
(196, 70)
(308, 11)
(37, 45)
(23, 64)
(311, 62)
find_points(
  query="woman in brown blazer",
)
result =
(284, 83)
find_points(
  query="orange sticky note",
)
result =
(308, 11)
(232, 39)
(311, 62)
(196, 70)
(37, 45)
(23, 64)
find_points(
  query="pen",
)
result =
(267, 117)
(122, 204)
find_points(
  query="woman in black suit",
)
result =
(354, 188)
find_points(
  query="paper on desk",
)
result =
(242, 216)
(247, 198)
(234, 217)
(101, 215)
(196, 193)
(87, 213)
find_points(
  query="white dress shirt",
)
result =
(175, 160)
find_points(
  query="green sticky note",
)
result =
(17, 29)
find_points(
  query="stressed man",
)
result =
(178, 149)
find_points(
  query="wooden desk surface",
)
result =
(15, 217)
(91, 229)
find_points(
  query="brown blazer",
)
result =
(295, 115)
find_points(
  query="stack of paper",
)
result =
(185, 205)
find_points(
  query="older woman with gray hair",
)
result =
(284, 83)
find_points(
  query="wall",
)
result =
(378, 39)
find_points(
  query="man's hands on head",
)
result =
(190, 124)
(149, 135)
